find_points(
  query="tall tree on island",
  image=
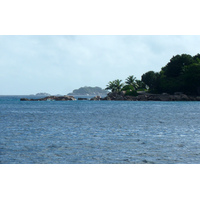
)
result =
(151, 80)
(131, 80)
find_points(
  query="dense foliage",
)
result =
(115, 86)
(130, 86)
(130, 90)
(181, 74)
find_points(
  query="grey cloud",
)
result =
(59, 64)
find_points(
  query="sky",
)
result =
(58, 64)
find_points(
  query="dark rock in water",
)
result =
(147, 162)
(97, 98)
(83, 99)
(143, 143)
(106, 98)
(142, 97)
(24, 99)
(52, 98)
(116, 96)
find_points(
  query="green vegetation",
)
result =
(89, 91)
(181, 74)
(131, 81)
(130, 90)
(130, 86)
(115, 86)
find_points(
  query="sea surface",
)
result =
(98, 132)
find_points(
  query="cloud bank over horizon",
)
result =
(59, 64)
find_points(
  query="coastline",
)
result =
(152, 97)
(122, 97)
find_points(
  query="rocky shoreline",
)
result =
(122, 97)
(151, 97)
(52, 98)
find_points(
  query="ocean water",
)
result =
(99, 132)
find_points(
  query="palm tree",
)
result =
(118, 85)
(131, 80)
(115, 86)
(110, 86)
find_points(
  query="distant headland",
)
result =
(89, 91)
(42, 94)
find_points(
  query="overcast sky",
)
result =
(60, 64)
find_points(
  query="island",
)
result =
(178, 80)
(89, 91)
(43, 94)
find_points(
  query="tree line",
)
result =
(180, 74)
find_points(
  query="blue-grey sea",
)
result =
(98, 132)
